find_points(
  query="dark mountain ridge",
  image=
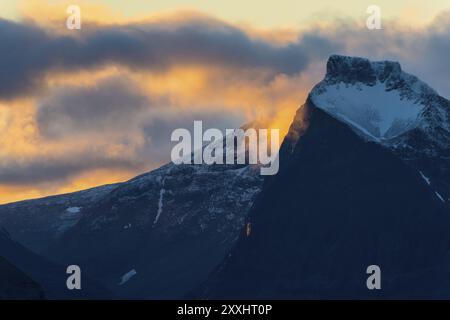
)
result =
(338, 205)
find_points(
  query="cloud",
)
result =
(29, 51)
(58, 167)
(108, 97)
(114, 104)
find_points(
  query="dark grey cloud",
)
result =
(113, 104)
(28, 51)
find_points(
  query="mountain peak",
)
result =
(356, 69)
(377, 98)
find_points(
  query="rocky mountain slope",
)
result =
(14, 284)
(349, 196)
(168, 229)
(156, 236)
(48, 278)
(382, 103)
(364, 180)
(37, 223)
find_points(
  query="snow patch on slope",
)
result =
(439, 196)
(68, 219)
(127, 276)
(73, 210)
(378, 113)
(427, 180)
(160, 203)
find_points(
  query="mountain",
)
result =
(49, 279)
(161, 234)
(14, 284)
(355, 189)
(38, 223)
(384, 104)
(156, 236)
(363, 180)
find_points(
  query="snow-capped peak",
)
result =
(377, 99)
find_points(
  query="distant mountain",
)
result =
(354, 189)
(48, 279)
(14, 284)
(156, 236)
(161, 234)
(37, 223)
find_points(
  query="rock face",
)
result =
(348, 196)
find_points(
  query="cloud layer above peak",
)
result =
(107, 97)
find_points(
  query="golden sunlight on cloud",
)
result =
(205, 88)
(17, 123)
(18, 193)
(54, 14)
(95, 178)
(83, 181)
(188, 88)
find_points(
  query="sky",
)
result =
(263, 14)
(82, 108)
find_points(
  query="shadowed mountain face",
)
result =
(168, 229)
(14, 284)
(384, 104)
(338, 205)
(156, 236)
(363, 180)
(51, 277)
(38, 223)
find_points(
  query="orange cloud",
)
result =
(188, 88)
